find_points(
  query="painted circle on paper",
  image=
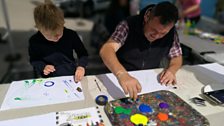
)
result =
(48, 83)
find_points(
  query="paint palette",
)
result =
(160, 108)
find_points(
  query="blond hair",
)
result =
(47, 16)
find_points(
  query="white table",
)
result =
(199, 45)
(190, 81)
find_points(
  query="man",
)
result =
(140, 42)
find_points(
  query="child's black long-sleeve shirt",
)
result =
(40, 48)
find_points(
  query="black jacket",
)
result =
(138, 53)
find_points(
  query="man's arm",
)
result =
(168, 75)
(128, 83)
(175, 64)
(109, 49)
(108, 55)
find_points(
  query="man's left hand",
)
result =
(167, 77)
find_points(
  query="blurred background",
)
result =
(94, 20)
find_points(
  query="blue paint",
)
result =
(145, 108)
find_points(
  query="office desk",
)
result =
(190, 81)
(199, 45)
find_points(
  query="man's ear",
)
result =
(146, 18)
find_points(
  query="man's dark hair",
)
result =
(166, 11)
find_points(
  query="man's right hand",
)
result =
(48, 69)
(130, 85)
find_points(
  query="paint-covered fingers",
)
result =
(135, 93)
(48, 69)
(130, 85)
(167, 77)
(130, 92)
(79, 73)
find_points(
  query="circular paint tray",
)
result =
(177, 112)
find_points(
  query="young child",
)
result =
(51, 48)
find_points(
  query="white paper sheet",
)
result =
(214, 71)
(37, 92)
(81, 117)
(90, 116)
(40, 120)
(214, 67)
(147, 79)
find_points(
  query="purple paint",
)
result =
(163, 105)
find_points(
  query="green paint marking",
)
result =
(118, 110)
(34, 81)
(39, 80)
(127, 111)
(17, 98)
(26, 82)
(66, 91)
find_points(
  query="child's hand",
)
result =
(48, 69)
(79, 73)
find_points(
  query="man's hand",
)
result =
(167, 77)
(79, 73)
(130, 85)
(48, 69)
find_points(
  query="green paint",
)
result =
(66, 91)
(39, 80)
(27, 82)
(127, 111)
(119, 110)
(34, 81)
(18, 99)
